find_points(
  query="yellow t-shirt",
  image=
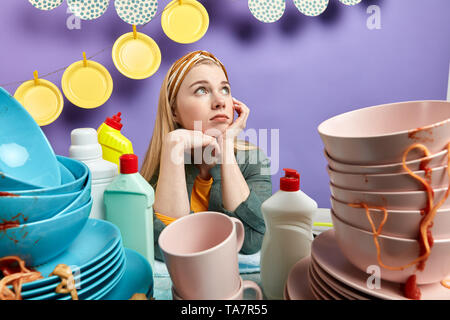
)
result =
(199, 199)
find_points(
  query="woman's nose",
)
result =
(218, 103)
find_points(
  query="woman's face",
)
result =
(204, 100)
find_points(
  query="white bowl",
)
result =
(380, 134)
(400, 223)
(391, 182)
(436, 160)
(358, 247)
(402, 200)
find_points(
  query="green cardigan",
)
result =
(255, 168)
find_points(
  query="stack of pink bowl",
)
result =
(364, 150)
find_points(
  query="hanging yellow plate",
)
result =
(185, 21)
(136, 57)
(87, 84)
(42, 99)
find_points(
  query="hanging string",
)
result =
(15, 83)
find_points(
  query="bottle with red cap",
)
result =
(288, 215)
(129, 202)
(113, 143)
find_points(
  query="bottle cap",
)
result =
(128, 163)
(290, 181)
(114, 122)
(84, 144)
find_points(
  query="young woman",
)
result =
(194, 160)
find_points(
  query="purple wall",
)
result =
(293, 74)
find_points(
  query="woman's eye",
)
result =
(200, 90)
(226, 90)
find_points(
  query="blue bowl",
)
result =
(81, 199)
(27, 209)
(77, 168)
(66, 175)
(25, 153)
(10, 184)
(39, 242)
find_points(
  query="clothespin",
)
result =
(84, 59)
(36, 79)
(134, 32)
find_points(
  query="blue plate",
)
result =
(102, 287)
(25, 152)
(96, 241)
(138, 278)
(89, 283)
(39, 242)
(81, 277)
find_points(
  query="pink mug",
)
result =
(239, 295)
(201, 254)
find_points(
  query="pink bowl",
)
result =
(380, 134)
(436, 160)
(405, 200)
(358, 247)
(400, 223)
(391, 182)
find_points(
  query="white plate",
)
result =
(311, 7)
(267, 11)
(136, 12)
(88, 9)
(46, 4)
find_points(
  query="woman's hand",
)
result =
(183, 140)
(227, 139)
(240, 123)
(191, 139)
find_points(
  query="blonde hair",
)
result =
(164, 122)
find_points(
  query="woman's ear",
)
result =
(175, 117)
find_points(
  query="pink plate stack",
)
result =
(367, 151)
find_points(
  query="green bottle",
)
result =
(129, 205)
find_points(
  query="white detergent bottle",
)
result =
(288, 215)
(85, 147)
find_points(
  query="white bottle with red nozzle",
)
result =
(288, 215)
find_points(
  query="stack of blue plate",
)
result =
(45, 202)
(102, 268)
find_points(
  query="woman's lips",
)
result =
(220, 118)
